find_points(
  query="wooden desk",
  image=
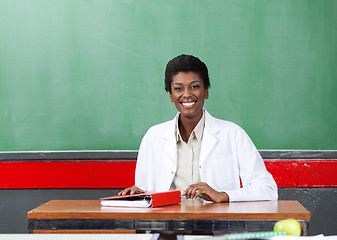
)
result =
(28, 236)
(191, 215)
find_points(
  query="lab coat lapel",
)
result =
(170, 146)
(209, 138)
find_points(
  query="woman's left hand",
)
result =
(204, 191)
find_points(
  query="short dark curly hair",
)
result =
(185, 63)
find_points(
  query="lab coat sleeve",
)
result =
(258, 184)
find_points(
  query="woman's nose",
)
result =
(187, 93)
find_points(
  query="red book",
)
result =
(143, 200)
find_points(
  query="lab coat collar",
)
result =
(210, 126)
(209, 138)
(171, 129)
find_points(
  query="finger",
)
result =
(186, 192)
(195, 193)
(135, 190)
(126, 191)
(121, 193)
(191, 192)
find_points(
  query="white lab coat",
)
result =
(227, 155)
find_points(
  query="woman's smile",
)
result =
(188, 104)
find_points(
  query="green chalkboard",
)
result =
(89, 74)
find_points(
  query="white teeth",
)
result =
(187, 104)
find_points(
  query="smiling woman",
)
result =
(188, 152)
(188, 94)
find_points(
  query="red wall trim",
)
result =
(318, 173)
(285, 172)
(67, 174)
(120, 174)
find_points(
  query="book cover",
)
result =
(143, 200)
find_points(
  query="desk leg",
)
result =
(304, 227)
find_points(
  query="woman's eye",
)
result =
(177, 88)
(195, 86)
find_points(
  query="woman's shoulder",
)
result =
(224, 125)
(160, 128)
(221, 122)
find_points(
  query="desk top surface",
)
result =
(77, 236)
(188, 209)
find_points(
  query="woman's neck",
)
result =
(186, 126)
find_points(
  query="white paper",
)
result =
(127, 203)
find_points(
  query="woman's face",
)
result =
(188, 94)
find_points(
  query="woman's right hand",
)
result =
(131, 190)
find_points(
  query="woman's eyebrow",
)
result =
(195, 82)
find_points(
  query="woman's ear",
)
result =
(171, 99)
(206, 93)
